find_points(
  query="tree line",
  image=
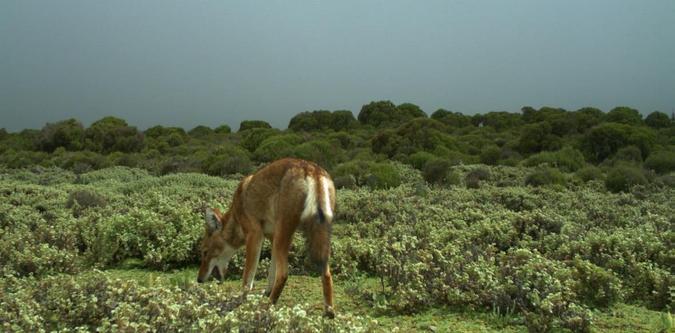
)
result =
(359, 149)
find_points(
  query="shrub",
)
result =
(589, 173)
(252, 139)
(606, 139)
(275, 147)
(348, 181)
(385, 113)
(490, 155)
(658, 119)
(567, 159)
(251, 124)
(662, 161)
(356, 168)
(624, 115)
(595, 285)
(545, 176)
(80, 200)
(227, 159)
(383, 176)
(200, 131)
(630, 154)
(622, 177)
(474, 177)
(223, 129)
(111, 134)
(419, 159)
(68, 134)
(438, 172)
(97, 302)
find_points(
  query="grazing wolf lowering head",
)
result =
(283, 196)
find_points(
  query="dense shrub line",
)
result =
(568, 141)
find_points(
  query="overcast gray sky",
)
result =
(186, 63)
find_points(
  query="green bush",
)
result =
(567, 159)
(490, 155)
(594, 285)
(622, 177)
(545, 176)
(662, 161)
(251, 124)
(658, 119)
(589, 173)
(227, 159)
(276, 147)
(624, 115)
(383, 176)
(438, 172)
(630, 154)
(474, 177)
(419, 159)
(68, 134)
(94, 301)
(223, 129)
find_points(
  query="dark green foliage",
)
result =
(474, 177)
(606, 139)
(622, 177)
(227, 159)
(658, 119)
(624, 115)
(630, 154)
(81, 200)
(223, 129)
(251, 139)
(318, 151)
(587, 117)
(323, 120)
(358, 169)
(3, 134)
(68, 134)
(490, 155)
(662, 161)
(276, 147)
(545, 176)
(453, 119)
(439, 171)
(410, 111)
(421, 134)
(567, 159)
(378, 175)
(419, 159)
(385, 113)
(500, 121)
(160, 131)
(112, 134)
(537, 137)
(343, 120)
(377, 113)
(383, 176)
(589, 173)
(251, 124)
(201, 131)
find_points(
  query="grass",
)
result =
(307, 289)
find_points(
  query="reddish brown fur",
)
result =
(269, 204)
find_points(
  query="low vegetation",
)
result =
(545, 220)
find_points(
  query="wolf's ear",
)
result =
(213, 223)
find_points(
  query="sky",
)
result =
(187, 63)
